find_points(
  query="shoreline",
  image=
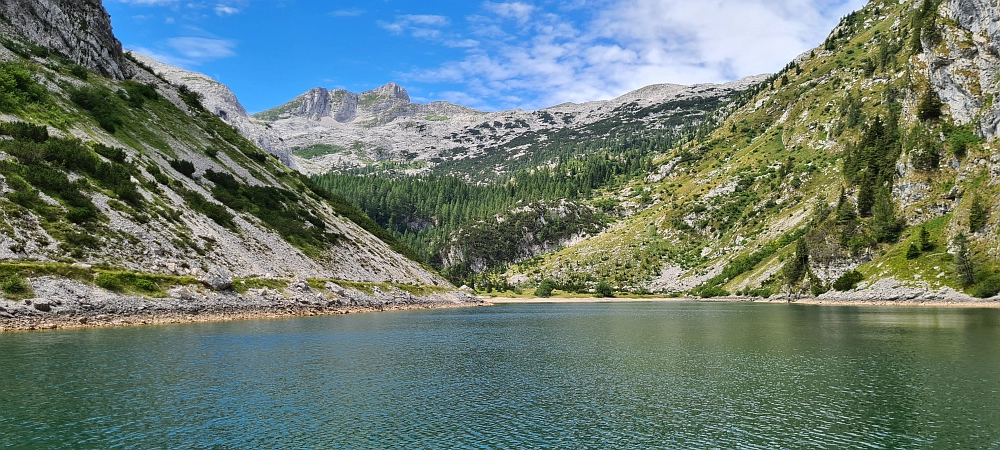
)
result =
(181, 318)
(985, 304)
(67, 304)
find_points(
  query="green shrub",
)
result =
(604, 289)
(185, 167)
(25, 131)
(18, 87)
(139, 93)
(712, 292)
(106, 107)
(15, 286)
(989, 287)
(545, 288)
(79, 71)
(913, 252)
(110, 282)
(848, 281)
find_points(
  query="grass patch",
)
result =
(140, 283)
(315, 150)
(242, 285)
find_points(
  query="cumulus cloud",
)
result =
(532, 57)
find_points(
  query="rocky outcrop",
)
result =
(220, 100)
(77, 29)
(965, 65)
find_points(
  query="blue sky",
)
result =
(489, 55)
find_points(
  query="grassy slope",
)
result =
(691, 227)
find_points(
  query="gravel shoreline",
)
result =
(66, 304)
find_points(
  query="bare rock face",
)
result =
(966, 68)
(77, 29)
(220, 100)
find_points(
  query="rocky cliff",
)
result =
(77, 29)
(220, 100)
(964, 66)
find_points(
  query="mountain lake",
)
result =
(601, 376)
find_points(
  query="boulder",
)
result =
(218, 279)
(42, 305)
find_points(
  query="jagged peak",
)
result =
(390, 90)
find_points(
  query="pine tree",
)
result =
(796, 269)
(963, 261)
(913, 252)
(885, 225)
(930, 105)
(925, 240)
(978, 214)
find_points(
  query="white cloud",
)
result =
(547, 58)
(189, 52)
(224, 10)
(420, 26)
(516, 10)
(202, 49)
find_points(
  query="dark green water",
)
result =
(536, 376)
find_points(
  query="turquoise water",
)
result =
(602, 376)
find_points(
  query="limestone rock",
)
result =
(220, 100)
(78, 30)
(218, 279)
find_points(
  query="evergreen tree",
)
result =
(885, 225)
(925, 240)
(913, 252)
(930, 105)
(796, 269)
(978, 214)
(963, 261)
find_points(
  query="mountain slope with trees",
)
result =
(871, 158)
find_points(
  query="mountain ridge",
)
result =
(387, 128)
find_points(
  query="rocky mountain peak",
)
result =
(77, 29)
(392, 90)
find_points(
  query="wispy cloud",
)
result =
(417, 25)
(347, 13)
(189, 52)
(202, 49)
(225, 10)
(531, 57)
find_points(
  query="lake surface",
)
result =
(602, 376)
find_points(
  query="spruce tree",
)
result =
(885, 225)
(925, 240)
(930, 105)
(795, 269)
(963, 261)
(913, 252)
(978, 214)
